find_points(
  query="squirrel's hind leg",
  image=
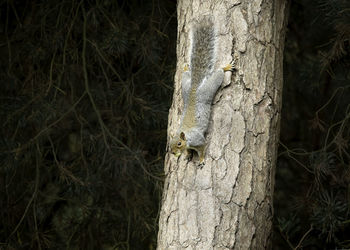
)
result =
(209, 87)
(201, 154)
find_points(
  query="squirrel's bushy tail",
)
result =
(202, 54)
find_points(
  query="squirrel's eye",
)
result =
(179, 143)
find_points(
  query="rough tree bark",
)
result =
(227, 204)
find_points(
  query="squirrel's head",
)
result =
(178, 144)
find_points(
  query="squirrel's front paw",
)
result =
(189, 156)
(201, 164)
(201, 160)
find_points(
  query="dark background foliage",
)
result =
(312, 191)
(86, 88)
(84, 96)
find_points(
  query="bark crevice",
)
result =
(227, 203)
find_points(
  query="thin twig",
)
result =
(31, 199)
(103, 126)
(16, 150)
(285, 237)
(302, 238)
(86, 81)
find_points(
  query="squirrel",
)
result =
(199, 85)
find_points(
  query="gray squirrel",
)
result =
(199, 85)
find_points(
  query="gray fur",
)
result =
(186, 86)
(200, 84)
(202, 52)
(195, 138)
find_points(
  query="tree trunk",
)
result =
(227, 204)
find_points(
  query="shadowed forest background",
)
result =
(84, 97)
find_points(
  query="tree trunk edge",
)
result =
(171, 236)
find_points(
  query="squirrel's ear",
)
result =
(182, 136)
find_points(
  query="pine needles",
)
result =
(84, 100)
(313, 204)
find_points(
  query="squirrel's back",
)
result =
(199, 85)
(202, 50)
